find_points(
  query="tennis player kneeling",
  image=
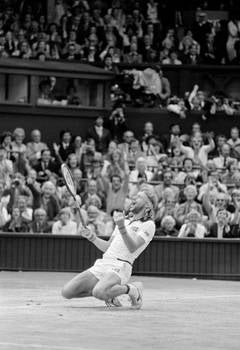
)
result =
(108, 277)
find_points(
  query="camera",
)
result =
(16, 182)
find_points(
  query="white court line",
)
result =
(42, 346)
(62, 305)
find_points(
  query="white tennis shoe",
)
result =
(136, 294)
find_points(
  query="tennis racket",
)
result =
(68, 179)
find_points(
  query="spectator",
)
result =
(35, 147)
(46, 199)
(221, 228)
(94, 221)
(193, 226)
(101, 136)
(65, 147)
(64, 226)
(189, 205)
(137, 176)
(224, 158)
(173, 59)
(45, 166)
(17, 223)
(167, 228)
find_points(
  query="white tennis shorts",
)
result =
(106, 265)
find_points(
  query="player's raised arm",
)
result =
(101, 244)
(132, 242)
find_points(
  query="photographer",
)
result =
(18, 188)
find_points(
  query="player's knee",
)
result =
(99, 293)
(66, 293)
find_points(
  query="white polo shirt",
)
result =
(118, 248)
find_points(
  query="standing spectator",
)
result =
(233, 37)
(65, 147)
(101, 136)
(201, 27)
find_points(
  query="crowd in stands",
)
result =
(120, 31)
(151, 88)
(195, 178)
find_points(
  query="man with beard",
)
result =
(108, 278)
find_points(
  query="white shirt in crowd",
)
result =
(202, 153)
(200, 231)
(69, 229)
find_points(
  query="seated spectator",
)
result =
(94, 221)
(193, 226)
(65, 225)
(167, 206)
(190, 204)
(165, 185)
(140, 174)
(221, 227)
(35, 147)
(127, 138)
(18, 146)
(72, 162)
(192, 57)
(224, 158)
(134, 152)
(25, 212)
(133, 57)
(6, 143)
(17, 223)
(148, 130)
(17, 188)
(172, 59)
(78, 148)
(72, 53)
(188, 175)
(45, 166)
(167, 228)
(39, 223)
(234, 142)
(46, 199)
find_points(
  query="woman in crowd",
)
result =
(65, 225)
(17, 223)
(189, 205)
(193, 226)
(168, 227)
(47, 200)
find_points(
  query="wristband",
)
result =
(122, 230)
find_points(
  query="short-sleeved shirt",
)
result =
(118, 248)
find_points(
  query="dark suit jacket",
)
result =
(44, 228)
(41, 170)
(101, 142)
